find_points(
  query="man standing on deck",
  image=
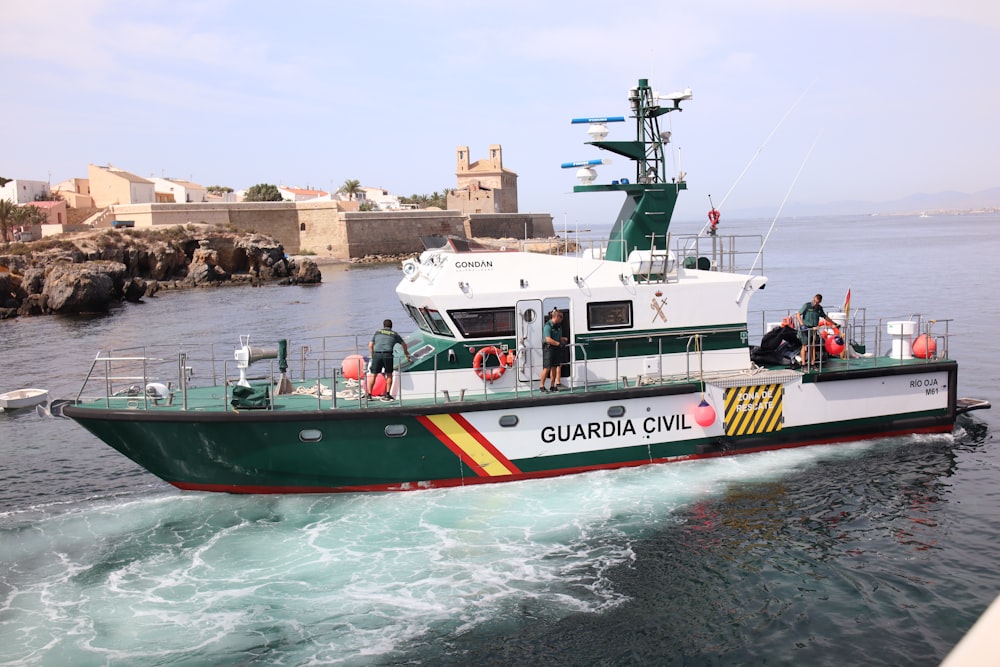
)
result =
(808, 317)
(552, 342)
(380, 350)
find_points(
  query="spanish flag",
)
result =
(847, 301)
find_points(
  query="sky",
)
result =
(813, 102)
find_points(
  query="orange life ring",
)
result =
(494, 373)
(827, 328)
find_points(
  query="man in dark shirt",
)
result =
(552, 351)
(808, 317)
(380, 350)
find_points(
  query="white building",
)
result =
(182, 191)
(381, 198)
(300, 194)
(21, 191)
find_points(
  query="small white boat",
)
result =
(22, 398)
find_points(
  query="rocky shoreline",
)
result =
(87, 272)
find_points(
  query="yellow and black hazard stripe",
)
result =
(753, 409)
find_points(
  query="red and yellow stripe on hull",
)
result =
(471, 446)
(486, 478)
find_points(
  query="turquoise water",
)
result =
(869, 553)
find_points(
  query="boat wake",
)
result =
(346, 578)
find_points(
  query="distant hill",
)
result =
(924, 202)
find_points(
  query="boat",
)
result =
(657, 365)
(22, 398)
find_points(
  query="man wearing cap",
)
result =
(552, 347)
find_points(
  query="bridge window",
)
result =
(436, 322)
(418, 318)
(484, 322)
(609, 315)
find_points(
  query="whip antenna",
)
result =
(761, 147)
(778, 215)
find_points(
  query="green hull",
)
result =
(396, 448)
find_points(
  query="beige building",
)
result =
(484, 186)
(75, 192)
(55, 222)
(111, 185)
(55, 211)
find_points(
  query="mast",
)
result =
(644, 218)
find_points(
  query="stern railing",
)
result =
(867, 342)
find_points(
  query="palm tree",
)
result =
(351, 187)
(28, 215)
(6, 218)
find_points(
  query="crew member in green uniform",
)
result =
(808, 317)
(552, 347)
(380, 350)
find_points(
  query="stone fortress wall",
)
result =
(323, 230)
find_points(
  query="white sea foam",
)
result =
(341, 578)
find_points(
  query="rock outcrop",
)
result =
(11, 293)
(134, 290)
(89, 287)
(204, 268)
(33, 281)
(265, 256)
(9, 288)
(90, 272)
(163, 260)
(308, 273)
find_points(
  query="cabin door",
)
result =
(530, 319)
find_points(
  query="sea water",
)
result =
(867, 553)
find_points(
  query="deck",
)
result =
(336, 392)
